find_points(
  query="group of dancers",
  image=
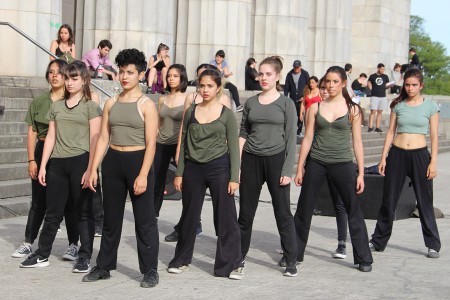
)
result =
(202, 136)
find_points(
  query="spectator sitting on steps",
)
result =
(97, 61)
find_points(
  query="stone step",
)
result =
(13, 171)
(13, 128)
(15, 103)
(13, 115)
(21, 92)
(13, 141)
(14, 207)
(15, 188)
(33, 82)
(13, 155)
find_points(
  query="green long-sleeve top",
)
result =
(270, 129)
(204, 142)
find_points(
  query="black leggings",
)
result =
(119, 171)
(214, 175)
(344, 178)
(234, 93)
(163, 155)
(38, 207)
(64, 182)
(399, 164)
(339, 208)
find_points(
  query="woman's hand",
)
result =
(382, 166)
(140, 185)
(285, 180)
(92, 181)
(232, 187)
(298, 180)
(32, 170)
(178, 183)
(360, 184)
(85, 179)
(431, 171)
(41, 176)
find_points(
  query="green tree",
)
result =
(433, 58)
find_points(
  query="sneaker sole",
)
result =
(19, 255)
(81, 271)
(100, 278)
(39, 265)
(170, 240)
(69, 257)
(338, 255)
(433, 255)
(289, 274)
(177, 270)
(236, 277)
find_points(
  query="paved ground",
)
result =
(401, 272)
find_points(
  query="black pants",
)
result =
(344, 178)
(38, 207)
(339, 208)
(196, 178)
(234, 93)
(299, 123)
(163, 155)
(97, 207)
(399, 164)
(64, 182)
(255, 170)
(119, 171)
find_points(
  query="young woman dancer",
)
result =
(37, 122)
(129, 127)
(312, 95)
(404, 154)
(209, 158)
(158, 65)
(267, 144)
(170, 110)
(64, 45)
(74, 127)
(326, 151)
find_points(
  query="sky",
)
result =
(437, 19)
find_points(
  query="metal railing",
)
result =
(46, 50)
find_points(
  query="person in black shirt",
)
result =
(359, 86)
(414, 62)
(378, 83)
(251, 76)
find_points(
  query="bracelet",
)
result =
(31, 160)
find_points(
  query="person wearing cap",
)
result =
(295, 83)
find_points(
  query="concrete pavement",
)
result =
(402, 271)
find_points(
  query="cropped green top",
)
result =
(414, 119)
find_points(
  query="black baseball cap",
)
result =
(297, 64)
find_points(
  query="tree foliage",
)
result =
(433, 58)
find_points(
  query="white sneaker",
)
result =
(432, 253)
(237, 273)
(178, 270)
(71, 253)
(22, 251)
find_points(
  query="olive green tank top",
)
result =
(127, 123)
(331, 142)
(171, 118)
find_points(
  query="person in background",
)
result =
(37, 122)
(397, 76)
(348, 70)
(359, 86)
(405, 153)
(251, 76)
(377, 83)
(222, 65)
(64, 46)
(158, 65)
(98, 58)
(295, 83)
(414, 62)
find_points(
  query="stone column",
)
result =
(380, 34)
(329, 35)
(280, 29)
(205, 26)
(40, 19)
(127, 24)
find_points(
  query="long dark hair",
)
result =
(403, 95)
(69, 29)
(78, 68)
(348, 100)
(215, 76)
(62, 64)
(183, 78)
(307, 89)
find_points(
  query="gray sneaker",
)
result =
(71, 253)
(432, 253)
(23, 251)
(237, 273)
(340, 251)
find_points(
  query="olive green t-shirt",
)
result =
(37, 114)
(72, 127)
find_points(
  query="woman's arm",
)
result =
(302, 109)
(178, 181)
(151, 128)
(166, 60)
(358, 147)
(31, 146)
(152, 62)
(387, 142)
(290, 127)
(49, 144)
(53, 47)
(74, 51)
(187, 104)
(225, 100)
(94, 133)
(434, 121)
(95, 97)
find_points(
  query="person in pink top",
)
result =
(311, 95)
(99, 57)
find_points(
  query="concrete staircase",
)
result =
(16, 94)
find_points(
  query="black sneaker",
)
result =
(82, 265)
(341, 251)
(96, 274)
(378, 130)
(173, 237)
(151, 279)
(365, 267)
(370, 129)
(373, 248)
(35, 261)
(291, 271)
(283, 263)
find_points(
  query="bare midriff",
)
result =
(127, 148)
(410, 141)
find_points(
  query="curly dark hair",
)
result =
(132, 56)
